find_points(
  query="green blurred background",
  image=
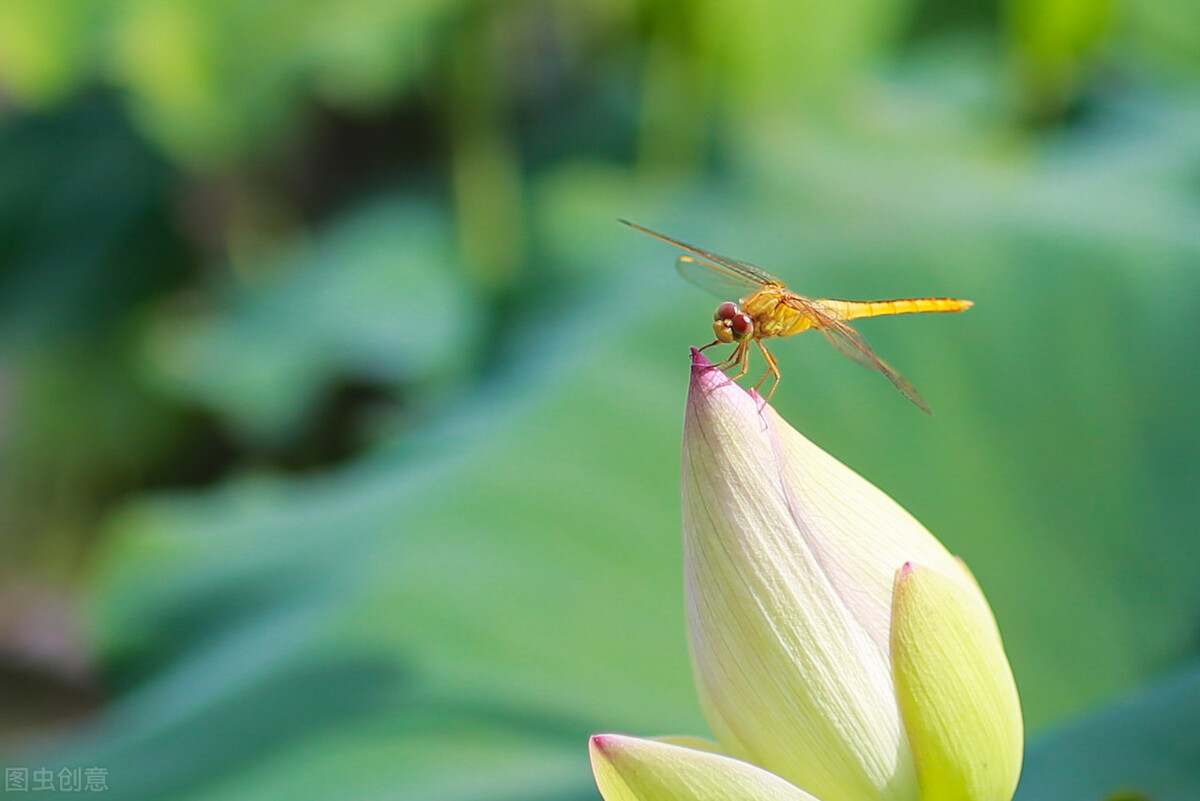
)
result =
(340, 420)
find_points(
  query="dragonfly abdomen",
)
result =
(856, 309)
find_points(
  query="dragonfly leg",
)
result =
(731, 361)
(742, 357)
(772, 369)
(727, 363)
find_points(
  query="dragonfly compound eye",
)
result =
(726, 311)
(741, 325)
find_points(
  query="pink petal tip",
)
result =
(602, 742)
(705, 374)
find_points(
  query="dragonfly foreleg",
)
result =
(742, 357)
(731, 361)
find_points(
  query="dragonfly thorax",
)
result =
(731, 324)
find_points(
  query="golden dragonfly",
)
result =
(766, 308)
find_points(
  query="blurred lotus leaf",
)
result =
(374, 299)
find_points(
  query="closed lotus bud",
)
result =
(840, 652)
(792, 561)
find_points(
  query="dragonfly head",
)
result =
(731, 324)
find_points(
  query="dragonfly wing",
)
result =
(852, 345)
(754, 276)
(715, 279)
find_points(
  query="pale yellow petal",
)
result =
(789, 676)
(636, 769)
(955, 688)
(858, 532)
(690, 741)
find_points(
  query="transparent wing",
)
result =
(715, 279)
(734, 273)
(853, 346)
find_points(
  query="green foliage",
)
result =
(1142, 748)
(268, 350)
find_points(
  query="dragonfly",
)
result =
(766, 308)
